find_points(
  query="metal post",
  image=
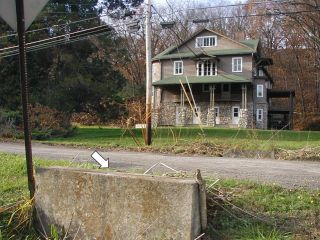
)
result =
(148, 73)
(24, 94)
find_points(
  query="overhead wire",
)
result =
(194, 109)
(190, 9)
(59, 40)
(58, 25)
(56, 44)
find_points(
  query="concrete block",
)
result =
(117, 206)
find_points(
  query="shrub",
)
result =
(85, 118)
(9, 120)
(313, 124)
(47, 122)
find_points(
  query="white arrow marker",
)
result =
(99, 159)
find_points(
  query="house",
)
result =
(210, 79)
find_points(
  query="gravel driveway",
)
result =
(289, 174)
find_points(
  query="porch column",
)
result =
(243, 121)
(182, 97)
(211, 90)
(245, 97)
(211, 117)
(181, 110)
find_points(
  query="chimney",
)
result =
(240, 35)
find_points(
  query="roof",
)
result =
(196, 53)
(245, 47)
(222, 78)
(252, 43)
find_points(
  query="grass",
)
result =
(242, 139)
(266, 212)
(13, 188)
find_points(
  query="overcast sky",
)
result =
(209, 2)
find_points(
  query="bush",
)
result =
(313, 124)
(84, 118)
(47, 122)
(9, 120)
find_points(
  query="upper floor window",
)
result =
(237, 64)
(178, 68)
(259, 90)
(208, 41)
(206, 68)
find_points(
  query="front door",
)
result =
(196, 116)
(235, 114)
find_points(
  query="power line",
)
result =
(49, 42)
(238, 5)
(55, 44)
(58, 25)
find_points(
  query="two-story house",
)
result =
(210, 79)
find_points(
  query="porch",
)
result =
(210, 104)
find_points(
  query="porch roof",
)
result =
(223, 52)
(221, 78)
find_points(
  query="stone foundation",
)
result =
(166, 115)
(211, 117)
(243, 121)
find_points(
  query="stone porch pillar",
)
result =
(211, 116)
(244, 117)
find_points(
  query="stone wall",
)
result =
(264, 123)
(167, 114)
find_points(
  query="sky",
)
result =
(209, 2)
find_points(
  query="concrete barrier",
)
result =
(117, 206)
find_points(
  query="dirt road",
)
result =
(290, 174)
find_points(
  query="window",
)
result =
(259, 90)
(259, 115)
(237, 64)
(178, 68)
(209, 41)
(261, 74)
(206, 68)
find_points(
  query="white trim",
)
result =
(233, 64)
(175, 68)
(259, 114)
(213, 71)
(260, 89)
(203, 37)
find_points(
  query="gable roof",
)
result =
(245, 47)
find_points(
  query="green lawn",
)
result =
(167, 137)
(248, 211)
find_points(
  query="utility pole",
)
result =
(24, 93)
(148, 73)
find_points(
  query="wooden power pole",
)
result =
(148, 73)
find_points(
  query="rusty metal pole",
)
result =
(24, 93)
(148, 74)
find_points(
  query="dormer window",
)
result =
(208, 41)
(206, 68)
(178, 68)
